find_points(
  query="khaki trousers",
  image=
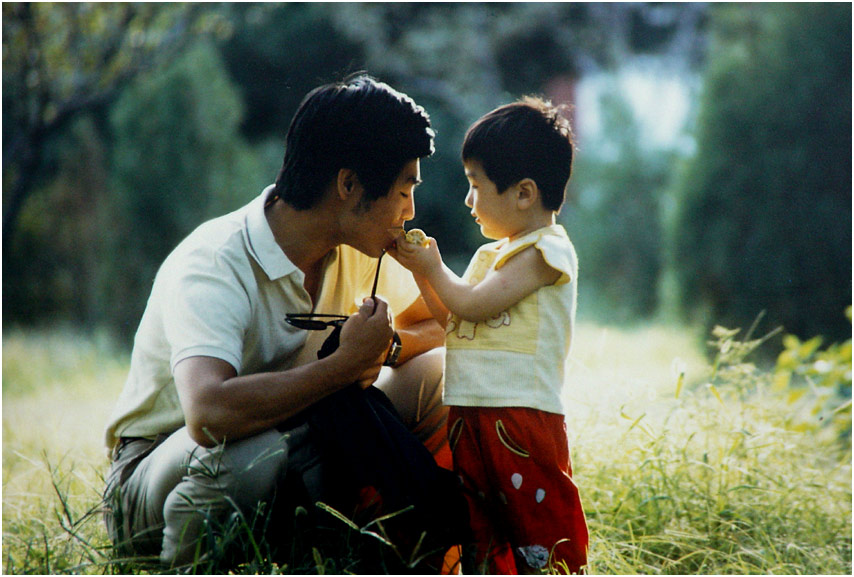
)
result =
(162, 496)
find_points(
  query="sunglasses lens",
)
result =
(312, 324)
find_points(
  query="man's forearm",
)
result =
(220, 406)
(418, 330)
(419, 338)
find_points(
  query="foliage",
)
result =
(701, 481)
(818, 383)
(277, 54)
(615, 218)
(718, 487)
(61, 61)
(176, 162)
(718, 480)
(54, 258)
(815, 383)
(766, 220)
(72, 238)
(71, 235)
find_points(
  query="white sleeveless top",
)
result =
(517, 358)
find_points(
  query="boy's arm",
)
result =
(520, 276)
(416, 258)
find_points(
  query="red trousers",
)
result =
(515, 466)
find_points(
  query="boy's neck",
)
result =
(536, 221)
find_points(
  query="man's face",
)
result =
(378, 225)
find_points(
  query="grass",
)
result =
(685, 467)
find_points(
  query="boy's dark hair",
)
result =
(360, 124)
(529, 138)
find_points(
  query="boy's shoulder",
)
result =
(553, 244)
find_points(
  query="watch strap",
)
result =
(393, 352)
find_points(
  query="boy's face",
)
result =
(378, 225)
(492, 211)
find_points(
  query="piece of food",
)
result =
(417, 236)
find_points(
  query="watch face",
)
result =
(394, 352)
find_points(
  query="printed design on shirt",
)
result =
(464, 329)
(515, 329)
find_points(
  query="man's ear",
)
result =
(347, 183)
(527, 193)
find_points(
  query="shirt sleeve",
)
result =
(207, 311)
(556, 249)
(558, 253)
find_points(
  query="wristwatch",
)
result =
(394, 351)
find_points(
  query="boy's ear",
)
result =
(347, 183)
(527, 193)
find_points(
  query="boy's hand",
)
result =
(421, 257)
(417, 236)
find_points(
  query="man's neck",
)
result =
(305, 236)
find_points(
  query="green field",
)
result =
(725, 470)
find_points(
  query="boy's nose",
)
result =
(469, 199)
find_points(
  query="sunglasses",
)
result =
(315, 322)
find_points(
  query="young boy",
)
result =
(509, 324)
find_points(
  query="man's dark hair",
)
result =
(360, 124)
(529, 138)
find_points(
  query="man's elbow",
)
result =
(434, 332)
(203, 426)
(204, 434)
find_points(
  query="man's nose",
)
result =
(409, 209)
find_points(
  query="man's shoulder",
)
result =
(214, 243)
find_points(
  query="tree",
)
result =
(766, 220)
(277, 53)
(458, 60)
(61, 61)
(615, 217)
(178, 160)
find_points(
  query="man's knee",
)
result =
(415, 388)
(221, 484)
(428, 367)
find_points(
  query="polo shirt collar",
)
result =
(262, 245)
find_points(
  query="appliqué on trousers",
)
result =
(536, 556)
(508, 442)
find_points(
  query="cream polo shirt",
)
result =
(224, 293)
(517, 358)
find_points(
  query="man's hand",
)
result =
(218, 404)
(366, 338)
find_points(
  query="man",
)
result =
(216, 370)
